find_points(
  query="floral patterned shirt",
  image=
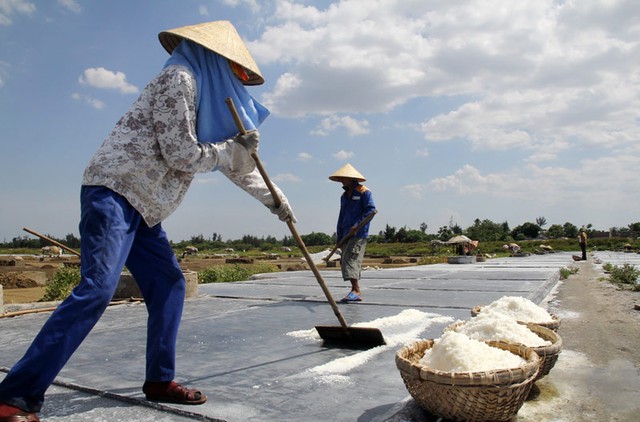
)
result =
(152, 154)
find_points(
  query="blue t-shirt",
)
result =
(354, 209)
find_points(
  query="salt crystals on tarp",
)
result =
(496, 326)
(455, 352)
(519, 308)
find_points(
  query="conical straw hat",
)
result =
(220, 37)
(347, 171)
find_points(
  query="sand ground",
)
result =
(597, 375)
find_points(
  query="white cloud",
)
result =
(343, 155)
(534, 76)
(352, 126)
(304, 156)
(251, 4)
(8, 8)
(103, 78)
(93, 102)
(424, 152)
(416, 191)
(596, 181)
(71, 5)
(286, 177)
(203, 10)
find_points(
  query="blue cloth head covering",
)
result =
(216, 82)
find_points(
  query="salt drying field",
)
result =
(252, 349)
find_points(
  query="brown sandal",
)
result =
(172, 392)
(10, 413)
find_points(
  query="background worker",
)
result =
(356, 203)
(179, 126)
(582, 239)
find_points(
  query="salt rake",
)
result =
(352, 337)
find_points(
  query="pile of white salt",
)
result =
(518, 308)
(456, 352)
(497, 326)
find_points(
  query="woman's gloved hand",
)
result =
(249, 141)
(284, 211)
(234, 155)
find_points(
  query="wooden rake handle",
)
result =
(360, 225)
(292, 227)
(51, 240)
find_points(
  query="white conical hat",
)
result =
(347, 171)
(220, 37)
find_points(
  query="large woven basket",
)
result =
(468, 396)
(554, 324)
(548, 354)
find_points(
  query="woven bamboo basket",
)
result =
(554, 324)
(548, 354)
(468, 396)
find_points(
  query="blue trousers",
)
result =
(113, 234)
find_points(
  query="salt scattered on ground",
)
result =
(397, 330)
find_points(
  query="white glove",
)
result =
(284, 211)
(234, 155)
(249, 141)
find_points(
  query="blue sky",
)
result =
(453, 110)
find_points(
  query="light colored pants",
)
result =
(352, 255)
(112, 234)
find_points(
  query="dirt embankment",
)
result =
(597, 375)
(24, 277)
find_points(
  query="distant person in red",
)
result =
(356, 203)
(179, 126)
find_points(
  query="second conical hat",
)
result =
(220, 37)
(347, 171)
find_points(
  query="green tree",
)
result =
(635, 229)
(317, 239)
(445, 233)
(405, 235)
(487, 231)
(527, 230)
(388, 234)
(541, 221)
(71, 241)
(555, 231)
(569, 230)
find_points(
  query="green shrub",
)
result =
(625, 276)
(235, 272)
(566, 272)
(64, 280)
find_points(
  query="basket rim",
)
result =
(407, 364)
(546, 334)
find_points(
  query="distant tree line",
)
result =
(481, 230)
(30, 242)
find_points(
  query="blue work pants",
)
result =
(113, 234)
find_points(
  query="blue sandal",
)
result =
(351, 297)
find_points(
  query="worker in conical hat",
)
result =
(179, 126)
(356, 204)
